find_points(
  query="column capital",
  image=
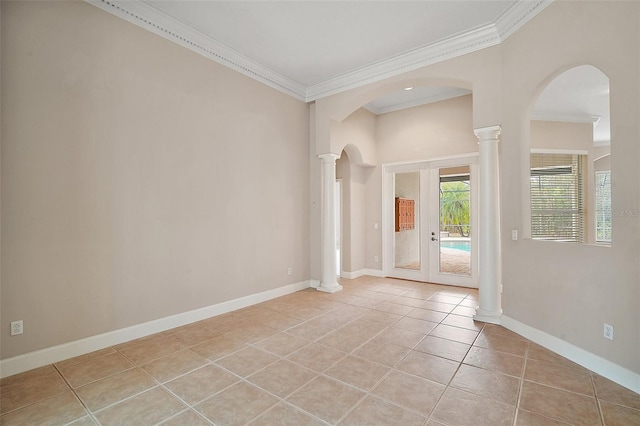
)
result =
(328, 157)
(487, 133)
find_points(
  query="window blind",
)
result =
(603, 207)
(557, 199)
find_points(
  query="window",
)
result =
(557, 199)
(603, 207)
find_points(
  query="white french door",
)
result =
(430, 221)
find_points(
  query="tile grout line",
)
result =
(595, 395)
(448, 385)
(36, 402)
(355, 312)
(347, 354)
(86, 409)
(189, 409)
(392, 368)
(245, 380)
(520, 388)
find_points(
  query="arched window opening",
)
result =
(570, 185)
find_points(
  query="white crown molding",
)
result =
(518, 15)
(566, 118)
(481, 38)
(453, 47)
(152, 19)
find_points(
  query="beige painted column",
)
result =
(490, 286)
(329, 283)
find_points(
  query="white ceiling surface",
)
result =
(311, 42)
(579, 95)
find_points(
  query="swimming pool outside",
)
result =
(464, 245)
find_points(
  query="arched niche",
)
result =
(353, 153)
(352, 178)
(569, 188)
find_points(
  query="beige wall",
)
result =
(356, 134)
(343, 173)
(118, 146)
(421, 133)
(139, 179)
(570, 290)
(561, 135)
(479, 71)
(566, 291)
(602, 160)
(425, 132)
(357, 130)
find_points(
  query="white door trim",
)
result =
(388, 216)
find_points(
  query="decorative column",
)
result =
(489, 309)
(329, 282)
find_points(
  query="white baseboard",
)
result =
(351, 275)
(39, 358)
(614, 372)
(374, 272)
(361, 272)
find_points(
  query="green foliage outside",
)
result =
(455, 206)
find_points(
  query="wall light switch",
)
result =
(375, 225)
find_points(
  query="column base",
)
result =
(331, 288)
(487, 316)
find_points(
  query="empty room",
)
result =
(320, 212)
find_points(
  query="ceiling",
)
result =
(312, 49)
(311, 42)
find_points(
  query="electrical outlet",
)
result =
(289, 271)
(376, 259)
(16, 328)
(608, 331)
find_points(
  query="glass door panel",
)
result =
(452, 221)
(429, 221)
(455, 221)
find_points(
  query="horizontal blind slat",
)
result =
(557, 211)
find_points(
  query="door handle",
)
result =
(434, 239)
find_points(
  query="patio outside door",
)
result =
(431, 222)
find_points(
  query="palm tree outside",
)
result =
(455, 207)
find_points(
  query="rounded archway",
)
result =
(569, 189)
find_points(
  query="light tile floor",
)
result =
(381, 352)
